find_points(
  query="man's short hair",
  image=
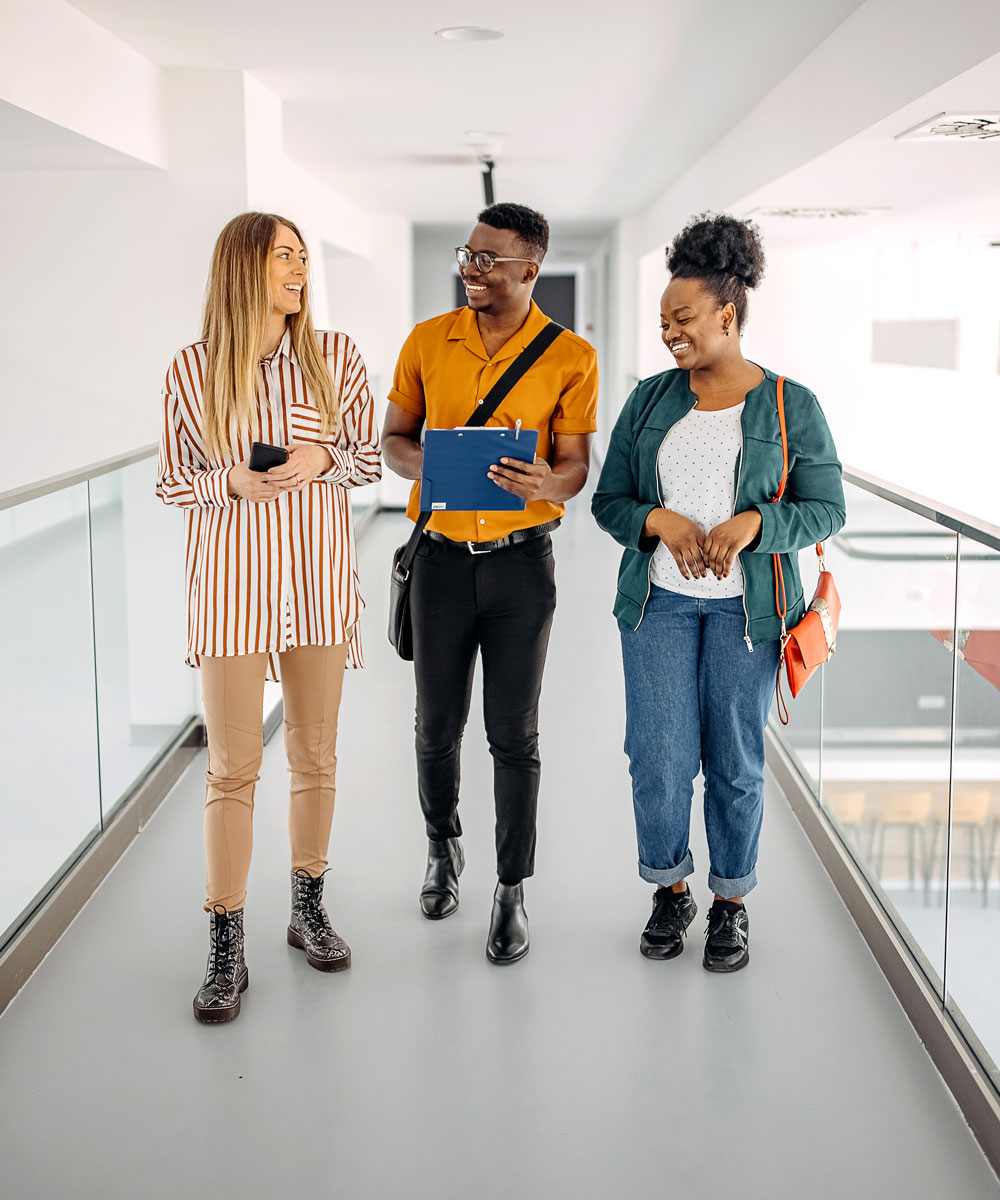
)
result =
(531, 227)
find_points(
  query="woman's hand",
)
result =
(681, 537)
(305, 462)
(725, 541)
(524, 479)
(245, 484)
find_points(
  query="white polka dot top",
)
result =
(697, 465)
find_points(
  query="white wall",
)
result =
(110, 268)
(371, 299)
(928, 430)
(434, 267)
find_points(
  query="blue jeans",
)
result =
(696, 697)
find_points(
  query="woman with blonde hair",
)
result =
(272, 587)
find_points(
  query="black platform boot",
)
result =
(310, 929)
(218, 998)
(508, 936)
(439, 894)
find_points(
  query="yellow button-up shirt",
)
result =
(444, 371)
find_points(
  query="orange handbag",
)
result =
(810, 644)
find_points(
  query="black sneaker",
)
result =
(727, 937)
(673, 912)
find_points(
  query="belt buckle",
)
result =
(472, 549)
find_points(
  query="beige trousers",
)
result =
(312, 679)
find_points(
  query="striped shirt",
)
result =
(269, 576)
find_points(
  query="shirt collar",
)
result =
(284, 347)
(465, 328)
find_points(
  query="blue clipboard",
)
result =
(456, 462)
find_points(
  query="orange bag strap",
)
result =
(780, 600)
(779, 579)
(784, 440)
(784, 464)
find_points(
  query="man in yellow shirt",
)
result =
(484, 582)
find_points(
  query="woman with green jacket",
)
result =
(693, 463)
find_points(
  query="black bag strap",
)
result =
(491, 402)
(515, 373)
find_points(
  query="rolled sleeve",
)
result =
(356, 457)
(183, 476)
(212, 487)
(407, 390)
(576, 409)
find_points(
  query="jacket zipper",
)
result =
(659, 494)
(746, 611)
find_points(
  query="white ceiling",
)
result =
(916, 182)
(602, 105)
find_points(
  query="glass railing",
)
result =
(94, 685)
(898, 740)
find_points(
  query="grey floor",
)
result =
(583, 1071)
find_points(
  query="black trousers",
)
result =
(498, 604)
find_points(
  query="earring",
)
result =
(725, 329)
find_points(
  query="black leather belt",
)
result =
(512, 539)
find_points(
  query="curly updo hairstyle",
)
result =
(724, 254)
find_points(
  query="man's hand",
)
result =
(528, 480)
(682, 538)
(725, 541)
(305, 462)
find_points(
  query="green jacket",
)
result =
(811, 509)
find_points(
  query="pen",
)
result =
(517, 429)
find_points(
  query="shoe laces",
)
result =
(724, 928)
(666, 916)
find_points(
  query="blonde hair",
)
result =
(237, 305)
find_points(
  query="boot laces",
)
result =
(224, 948)
(309, 906)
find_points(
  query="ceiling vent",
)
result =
(955, 127)
(812, 214)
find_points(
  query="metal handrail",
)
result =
(56, 483)
(950, 518)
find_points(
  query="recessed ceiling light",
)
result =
(955, 127)
(816, 213)
(468, 33)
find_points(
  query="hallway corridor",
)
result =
(585, 1071)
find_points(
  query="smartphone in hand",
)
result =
(263, 456)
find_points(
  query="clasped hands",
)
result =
(304, 463)
(696, 553)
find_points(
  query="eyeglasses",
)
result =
(483, 259)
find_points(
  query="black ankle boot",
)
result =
(508, 936)
(310, 929)
(218, 998)
(439, 895)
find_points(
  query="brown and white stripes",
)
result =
(275, 575)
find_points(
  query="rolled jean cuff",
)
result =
(732, 887)
(667, 875)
